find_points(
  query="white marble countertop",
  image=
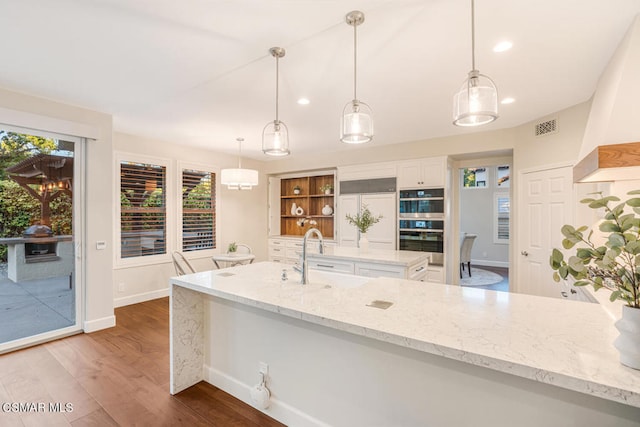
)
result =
(402, 258)
(553, 341)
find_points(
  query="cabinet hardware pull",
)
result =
(419, 269)
(525, 253)
(325, 266)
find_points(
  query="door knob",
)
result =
(525, 253)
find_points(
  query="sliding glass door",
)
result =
(40, 236)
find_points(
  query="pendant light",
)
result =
(275, 135)
(357, 119)
(239, 179)
(477, 101)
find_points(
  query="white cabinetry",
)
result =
(368, 171)
(288, 250)
(430, 172)
(381, 235)
(416, 271)
(435, 274)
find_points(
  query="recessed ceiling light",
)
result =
(502, 46)
(507, 101)
(303, 101)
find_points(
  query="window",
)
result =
(502, 207)
(143, 211)
(198, 210)
(503, 176)
(474, 177)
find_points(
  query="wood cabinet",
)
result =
(423, 173)
(309, 198)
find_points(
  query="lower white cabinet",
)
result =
(335, 266)
(288, 250)
(434, 273)
(416, 271)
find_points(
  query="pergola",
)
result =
(46, 177)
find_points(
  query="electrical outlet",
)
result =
(121, 287)
(264, 368)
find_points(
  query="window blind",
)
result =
(143, 212)
(198, 210)
(503, 218)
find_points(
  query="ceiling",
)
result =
(198, 72)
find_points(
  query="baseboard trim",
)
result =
(278, 410)
(99, 324)
(489, 263)
(138, 298)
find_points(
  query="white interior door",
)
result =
(546, 204)
(348, 234)
(383, 234)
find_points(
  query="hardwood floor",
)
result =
(115, 377)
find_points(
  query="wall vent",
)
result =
(545, 128)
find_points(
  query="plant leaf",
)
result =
(609, 227)
(615, 295)
(576, 264)
(634, 203)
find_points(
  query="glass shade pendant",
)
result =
(239, 179)
(275, 135)
(357, 119)
(477, 101)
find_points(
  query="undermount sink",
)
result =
(337, 280)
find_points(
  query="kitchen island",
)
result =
(439, 355)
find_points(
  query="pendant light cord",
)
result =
(277, 71)
(355, 59)
(239, 153)
(473, 37)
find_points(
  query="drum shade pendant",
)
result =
(275, 135)
(239, 179)
(477, 101)
(357, 119)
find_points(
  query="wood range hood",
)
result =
(611, 162)
(608, 152)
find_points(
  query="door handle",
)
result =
(525, 253)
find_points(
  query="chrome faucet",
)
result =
(304, 279)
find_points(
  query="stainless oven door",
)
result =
(422, 240)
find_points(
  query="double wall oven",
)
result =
(421, 222)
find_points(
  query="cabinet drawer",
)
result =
(338, 266)
(376, 270)
(277, 242)
(418, 272)
(277, 251)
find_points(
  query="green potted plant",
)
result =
(326, 188)
(363, 221)
(297, 189)
(613, 264)
(232, 248)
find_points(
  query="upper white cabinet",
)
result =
(421, 173)
(367, 171)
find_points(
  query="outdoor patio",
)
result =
(32, 307)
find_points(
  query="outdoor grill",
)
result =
(35, 250)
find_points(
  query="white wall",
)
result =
(51, 116)
(242, 217)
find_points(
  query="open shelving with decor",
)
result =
(309, 196)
